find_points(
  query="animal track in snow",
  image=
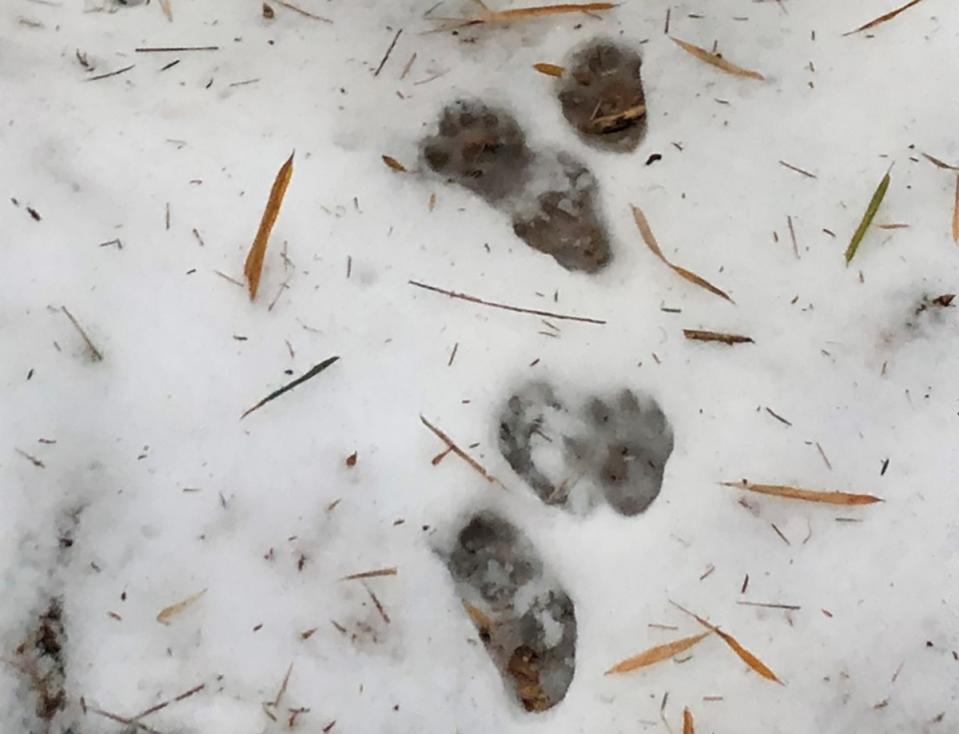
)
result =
(611, 449)
(525, 619)
(551, 197)
(602, 96)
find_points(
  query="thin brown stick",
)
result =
(791, 167)
(377, 573)
(388, 52)
(506, 307)
(96, 353)
(769, 605)
(882, 18)
(716, 336)
(301, 11)
(460, 453)
(110, 73)
(378, 605)
(175, 699)
(173, 49)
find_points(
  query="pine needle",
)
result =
(867, 218)
(313, 372)
(253, 267)
(745, 655)
(549, 69)
(806, 495)
(939, 163)
(656, 654)
(394, 164)
(647, 234)
(883, 18)
(716, 60)
(168, 613)
(488, 17)
(377, 573)
(689, 726)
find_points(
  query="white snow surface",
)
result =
(164, 492)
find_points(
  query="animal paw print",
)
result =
(602, 96)
(576, 454)
(609, 448)
(573, 451)
(551, 197)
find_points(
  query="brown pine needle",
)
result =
(807, 495)
(955, 215)
(480, 618)
(867, 217)
(301, 11)
(312, 372)
(745, 655)
(618, 120)
(95, 353)
(505, 306)
(394, 164)
(253, 267)
(376, 573)
(883, 18)
(716, 60)
(549, 69)
(528, 13)
(701, 335)
(689, 726)
(451, 445)
(656, 654)
(168, 613)
(939, 163)
(649, 238)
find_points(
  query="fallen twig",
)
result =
(388, 52)
(301, 11)
(716, 336)
(506, 307)
(94, 352)
(460, 453)
(109, 74)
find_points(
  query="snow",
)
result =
(154, 490)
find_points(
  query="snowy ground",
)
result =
(129, 484)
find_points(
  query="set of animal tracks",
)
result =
(573, 451)
(550, 196)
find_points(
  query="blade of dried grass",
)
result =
(867, 218)
(376, 573)
(168, 613)
(394, 164)
(689, 727)
(745, 655)
(253, 267)
(845, 499)
(549, 69)
(312, 372)
(656, 654)
(618, 120)
(650, 239)
(882, 18)
(716, 60)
